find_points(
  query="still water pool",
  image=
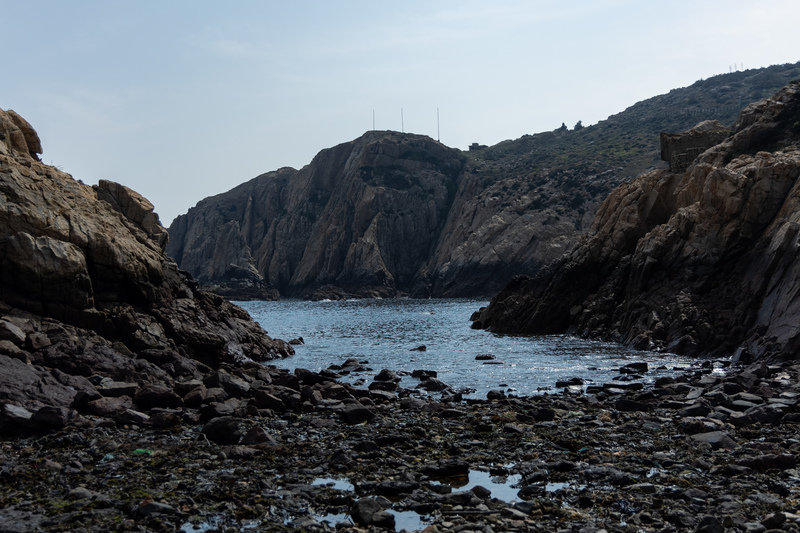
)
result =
(383, 332)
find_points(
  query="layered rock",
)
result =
(86, 289)
(364, 217)
(701, 262)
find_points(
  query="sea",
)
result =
(382, 334)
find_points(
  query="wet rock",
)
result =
(109, 406)
(434, 385)
(52, 417)
(356, 414)
(709, 524)
(495, 394)
(10, 332)
(258, 435)
(132, 417)
(387, 375)
(156, 508)
(634, 368)
(371, 512)
(152, 396)
(631, 406)
(223, 430)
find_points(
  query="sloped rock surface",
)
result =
(364, 216)
(704, 261)
(86, 289)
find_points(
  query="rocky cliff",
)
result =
(704, 261)
(392, 213)
(87, 295)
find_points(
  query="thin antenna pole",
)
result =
(402, 127)
(437, 125)
(373, 120)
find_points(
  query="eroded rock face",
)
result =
(364, 217)
(705, 261)
(85, 288)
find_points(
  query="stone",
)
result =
(717, 439)
(10, 332)
(223, 430)
(495, 394)
(152, 395)
(370, 512)
(434, 385)
(387, 375)
(709, 524)
(258, 435)
(356, 414)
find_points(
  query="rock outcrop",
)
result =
(701, 262)
(364, 217)
(87, 293)
(392, 213)
(680, 149)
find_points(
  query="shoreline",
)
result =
(700, 452)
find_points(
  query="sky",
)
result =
(184, 99)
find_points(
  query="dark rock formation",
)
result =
(392, 213)
(701, 262)
(680, 149)
(362, 218)
(86, 291)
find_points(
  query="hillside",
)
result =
(390, 214)
(697, 261)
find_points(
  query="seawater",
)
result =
(383, 332)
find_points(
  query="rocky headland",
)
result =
(391, 214)
(93, 314)
(697, 260)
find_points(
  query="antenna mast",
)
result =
(402, 127)
(437, 125)
(373, 120)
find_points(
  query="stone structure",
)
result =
(680, 149)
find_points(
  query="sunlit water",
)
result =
(383, 332)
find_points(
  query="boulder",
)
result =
(223, 430)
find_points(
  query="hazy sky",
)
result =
(180, 100)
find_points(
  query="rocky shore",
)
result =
(255, 448)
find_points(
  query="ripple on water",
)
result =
(384, 331)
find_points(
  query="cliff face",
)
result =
(705, 261)
(392, 213)
(86, 289)
(364, 217)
